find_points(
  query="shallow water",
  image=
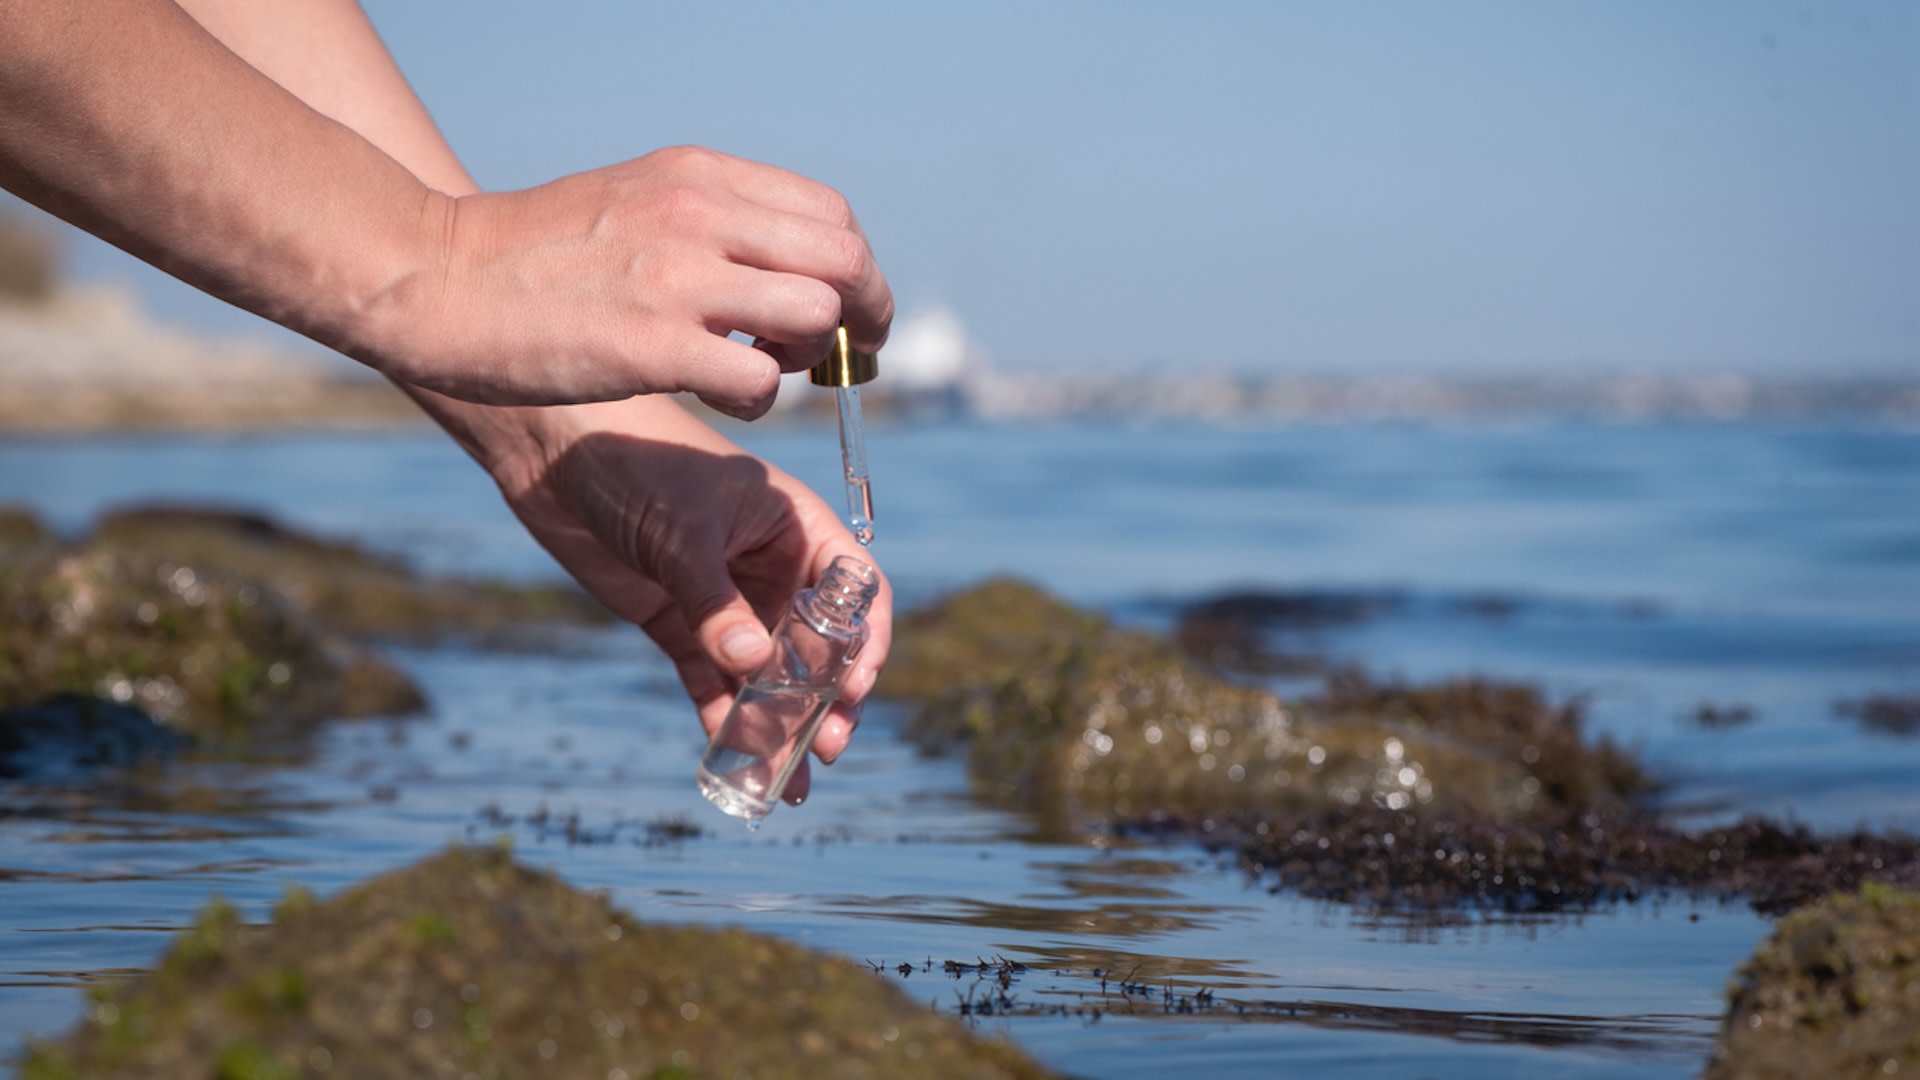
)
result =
(1650, 569)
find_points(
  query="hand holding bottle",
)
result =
(765, 738)
(676, 529)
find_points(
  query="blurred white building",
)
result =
(929, 362)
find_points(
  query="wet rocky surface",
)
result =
(222, 628)
(470, 964)
(1464, 791)
(1834, 992)
(342, 585)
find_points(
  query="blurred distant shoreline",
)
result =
(91, 362)
(1619, 398)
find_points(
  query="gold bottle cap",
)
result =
(845, 365)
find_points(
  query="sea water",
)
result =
(1644, 569)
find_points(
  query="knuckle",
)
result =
(764, 382)
(819, 311)
(852, 259)
(685, 209)
(682, 157)
(836, 210)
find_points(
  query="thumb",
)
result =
(723, 623)
(734, 639)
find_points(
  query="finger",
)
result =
(771, 186)
(836, 731)
(836, 256)
(635, 599)
(860, 678)
(773, 306)
(722, 622)
(730, 376)
(799, 785)
(794, 358)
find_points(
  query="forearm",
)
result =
(327, 54)
(128, 119)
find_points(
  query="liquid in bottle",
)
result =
(771, 726)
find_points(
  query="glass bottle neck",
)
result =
(841, 599)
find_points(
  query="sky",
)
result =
(1455, 188)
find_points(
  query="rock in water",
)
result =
(210, 655)
(469, 964)
(1834, 992)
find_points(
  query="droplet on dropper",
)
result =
(753, 824)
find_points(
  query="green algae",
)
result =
(1074, 719)
(225, 626)
(1834, 991)
(1462, 791)
(208, 654)
(20, 529)
(521, 975)
(340, 584)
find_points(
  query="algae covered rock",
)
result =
(21, 528)
(343, 586)
(1833, 992)
(207, 653)
(224, 625)
(1068, 716)
(469, 964)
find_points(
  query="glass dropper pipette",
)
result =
(844, 369)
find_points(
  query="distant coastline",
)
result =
(91, 361)
(1451, 398)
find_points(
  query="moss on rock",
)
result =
(21, 528)
(223, 625)
(1462, 791)
(1071, 717)
(471, 964)
(207, 653)
(340, 584)
(1833, 992)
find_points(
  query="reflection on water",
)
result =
(1009, 989)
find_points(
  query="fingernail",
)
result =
(739, 645)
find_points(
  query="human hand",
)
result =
(629, 279)
(678, 530)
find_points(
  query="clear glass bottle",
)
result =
(770, 728)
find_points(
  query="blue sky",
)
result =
(1460, 187)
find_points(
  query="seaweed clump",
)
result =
(220, 625)
(21, 529)
(1461, 791)
(208, 654)
(341, 585)
(1834, 991)
(469, 964)
(1077, 720)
